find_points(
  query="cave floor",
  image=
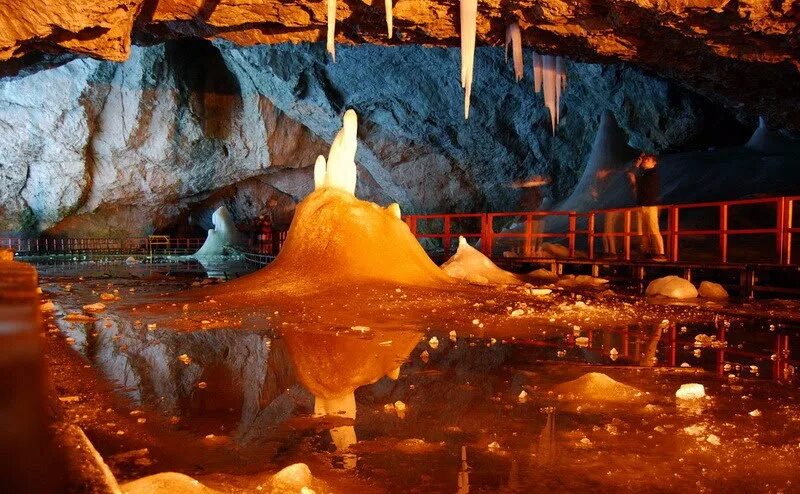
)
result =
(222, 387)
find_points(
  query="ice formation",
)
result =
(468, 17)
(537, 73)
(709, 289)
(389, 20)
(671, 287)
(224, 234)
(550, 76)
(339, 171)
(514, 38)
(768, 141)
(691, 391)
(469, 264)
(609, 157)
(331, 28)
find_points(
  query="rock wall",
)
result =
(101, 148)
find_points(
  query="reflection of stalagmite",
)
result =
(649, 358)
(332, 367)
(463, 473)
(547, 439)
(468, 16)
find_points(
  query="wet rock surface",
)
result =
(94, 148)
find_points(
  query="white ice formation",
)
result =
(671, 287)
(514, 38)
(224, 234)
(769, 141)
(691, 391)
(550, 75)
(468, 17)
(709, 289)
(339, 171)
(388, 4)
(331, 28)
(469, 264)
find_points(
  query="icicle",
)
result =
(331, 28)
(388, 4)
(514, 38)
(468, 18)
(549, 84)
(561, 68)
(537, 73)
(319, 172)
(559, 86)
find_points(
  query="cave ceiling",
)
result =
(743, 54)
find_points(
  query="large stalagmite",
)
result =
(337, 240)
(223, 235)
(468, 15)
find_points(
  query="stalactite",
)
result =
(389, 20)
(331, 28)
(514, 38)
(549, 84)
(468, 17)
(537, 73)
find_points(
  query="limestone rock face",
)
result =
(95, 148)
(727, 50)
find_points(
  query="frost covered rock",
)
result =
(709, 289)
(470, 264)
(224, 234)
(671, 287)
(691, 391)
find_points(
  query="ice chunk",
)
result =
(514, 38)
(468, 14)
(291, 479)
(690, 391)
(544, 275)
(434, 342)
(96, 307)
(672, 287)
(599, 388)
(469, 264)
(709, 289)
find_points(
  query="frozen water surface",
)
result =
(224, 390)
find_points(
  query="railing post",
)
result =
(590, 227)
(571, 237)
(673, 219)
(787, 230)
(723, 232)
(446, 238)
(489, 235)
(780, 229)
(526, 247)
(781, 355)
(627, 234)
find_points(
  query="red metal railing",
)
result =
(99, 245)
(583, 227)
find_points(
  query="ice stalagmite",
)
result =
(549, 83)
(339, 172)
(319, 172)
(223, 235)
(388, 4)
(331, 28)
(537, 73)
(514, 38)
(468, 17)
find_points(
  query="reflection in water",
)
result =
(546, 453)
(463, 473)
(332, 366)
